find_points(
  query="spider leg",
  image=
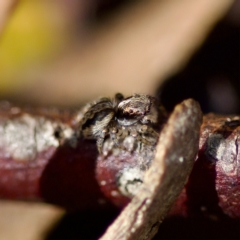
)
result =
(147, 135)
(100, 140)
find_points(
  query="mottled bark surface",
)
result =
(60, 174)
(213, 187)
(38, 162)
(220, 149)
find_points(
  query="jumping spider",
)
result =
(137, 117)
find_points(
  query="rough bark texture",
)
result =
(176, 151)
(36, 162)
(213, 186)
(66, 177)
(221, 148)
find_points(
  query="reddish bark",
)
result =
(213, 188)
(69, 178)
(66, 176)
(60, 174)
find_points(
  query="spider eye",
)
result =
(130, 111)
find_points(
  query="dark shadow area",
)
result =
(90, 225)
(84, 225)
(198, 229)
(202, 197)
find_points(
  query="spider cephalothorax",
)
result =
(136, 117)
(137, 108)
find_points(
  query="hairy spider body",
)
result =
(128, 122)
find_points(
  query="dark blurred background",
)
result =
(212, 76)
